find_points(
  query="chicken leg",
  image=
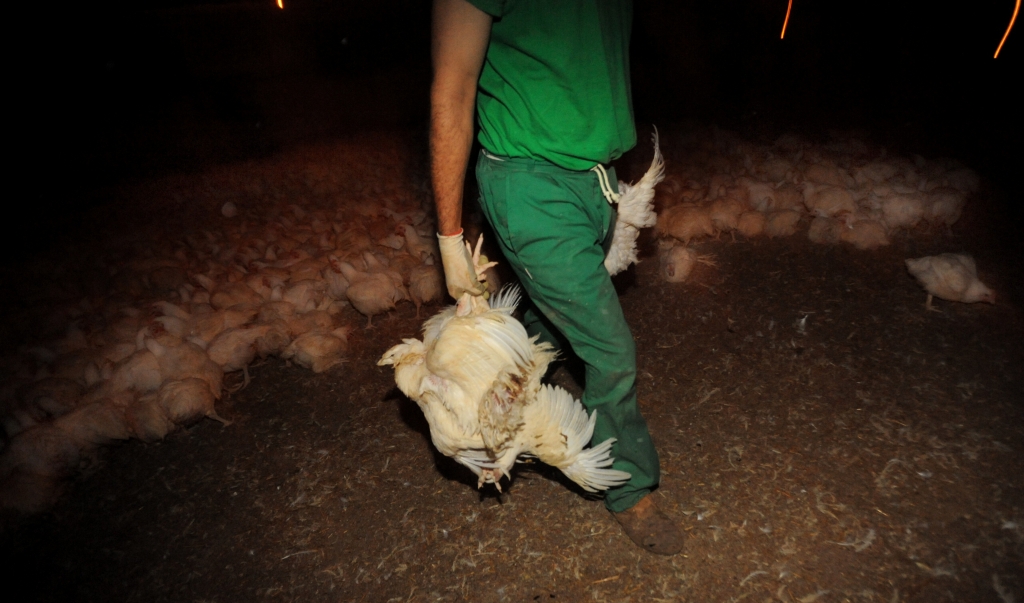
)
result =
(490, 476)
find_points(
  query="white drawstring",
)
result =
(606, 187)
(602, 177)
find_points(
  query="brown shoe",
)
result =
(651, 529)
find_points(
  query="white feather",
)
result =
(506, 300)
(562, 429)
(635, 211)
(477, 380)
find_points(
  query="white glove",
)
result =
(462, 268)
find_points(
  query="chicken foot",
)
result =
(224, 422)
(244, 384)
(490, 476)
(481, 268)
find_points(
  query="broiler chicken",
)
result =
(945, 206)
(234, 349)
(184, 360)
(635, 211)
(952, 276)
(781, 223)
(229, 294)
(677, 263)
(725, 214)
(864, 234)
(751, 224)
(419, 246)
(337, 284)
(426, 284)
(187, 401)
(203, 324)
(760, 195)
(318, 351)
(902, 210)
(306, 294)
(370, 292)
(476, 377)
(685, 222)
(828, 201)
(825, 231)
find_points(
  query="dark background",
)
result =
(111, 92)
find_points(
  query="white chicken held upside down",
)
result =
(476, 377)
(635, 211)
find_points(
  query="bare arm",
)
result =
(459, 42)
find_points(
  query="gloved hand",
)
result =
(463, 271)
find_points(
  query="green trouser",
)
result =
(553, 226)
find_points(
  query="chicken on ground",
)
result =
(952, 276)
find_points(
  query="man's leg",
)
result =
(538, 325)
(551, 225)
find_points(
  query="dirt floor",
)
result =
(822, 438)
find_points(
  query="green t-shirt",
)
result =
(555, 82)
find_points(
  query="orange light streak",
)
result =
(1016, 9)
(280, 4)
(790, 7)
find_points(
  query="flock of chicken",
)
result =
(280, 270)
(262, 276)
(268, 279)
(842, 192)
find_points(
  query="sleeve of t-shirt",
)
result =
(494, 8)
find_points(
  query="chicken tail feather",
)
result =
(476, 460)
(591, 469)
